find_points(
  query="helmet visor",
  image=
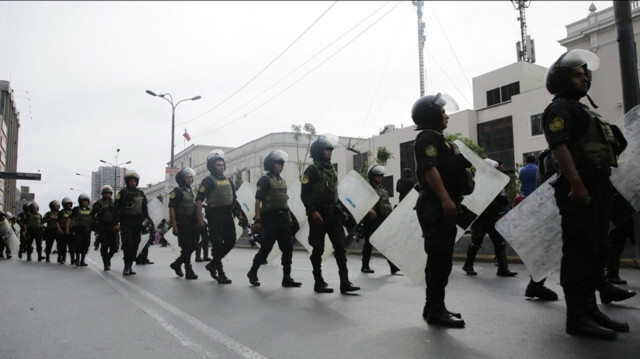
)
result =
(579, 57)
(279, 155)
(331, 140)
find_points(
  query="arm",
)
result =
(172, 214)
(435, 182)
(199, 214)
(579, 193)
(257, 221)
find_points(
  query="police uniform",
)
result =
(50, 232)
(33, 224)
(64, 239)
(181, 200)
(103, 211)
(23, 236)
(382, 209)
(220, 196)
(80, 224)
(131, 211)
(439, 232)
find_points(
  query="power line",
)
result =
(266, 67)
(305, 75)
(298, 67)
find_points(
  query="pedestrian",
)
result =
(405, 183)
(32, 227)
(273, 218)
(443, 177)
(79, 224)
(527, 176)
(319, 195)
(221, 206)
(131, 212)
(585, 147)
(51, 230)
(380, 211)
(182, 210)
(64, 234)
(485, 224)
(103, 212)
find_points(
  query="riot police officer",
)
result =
(182, 210)
(443, 179)
(51, 230)
(32, 227)
(103, 212)
(23, 236)
(221, 205)
(131, 212)
(79, 224)
(319, 195)
(374, 218)
(64, 235)
(273, 218)
(585, 147)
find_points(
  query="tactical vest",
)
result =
(53, 218)
(131, 202)
(186, 209)
(82, 219)
(384, 206)
(324, 192)
(63, 215)
(222, 193)
(276, 198)
(593, 152)
(105, 215)
(33, 220)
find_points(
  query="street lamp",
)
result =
(168, 98)
(115, 174)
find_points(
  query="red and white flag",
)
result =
(186, 135)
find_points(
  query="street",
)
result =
(50, 310)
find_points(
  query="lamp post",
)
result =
(168, 98)
(115, 174)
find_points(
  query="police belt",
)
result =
(275, 211)
(222, 209)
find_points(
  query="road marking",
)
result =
(212, 333)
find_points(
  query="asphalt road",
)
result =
(49, 310)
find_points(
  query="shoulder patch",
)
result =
(258, 188)
(557, 124)
(172, 195)
(431, 151)
(201, 189)
(305, 179)
(118, 196)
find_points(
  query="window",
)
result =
(496, 137)
(493, 97)
(387, 183)
(360, 161)
(407, 157)
(509, 90)
(527, 154)
(535, 124)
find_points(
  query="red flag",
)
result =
(186, 135)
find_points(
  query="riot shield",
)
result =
(156, 213)
(172, 239)
(247, 198)
(533, 229)
(407, 251)
(9, 236)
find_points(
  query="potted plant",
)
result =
(383, 155)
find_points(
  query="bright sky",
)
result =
(80, 71)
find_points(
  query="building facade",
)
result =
(9, 127)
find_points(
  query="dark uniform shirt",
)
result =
(564, 122)
(319, 187)
(126, 205)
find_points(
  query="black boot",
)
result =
(176, 266)
(253, 275)
(106, 263)
(425, 311)
(77, 260)
(610, 292)
(537, 289)
(320, 286)
(82, 262)
(613, 270)
(503, 265)
(438, 315)
(222, 277)
(393, 268)
(127, 268)
(287, 281)
(345, 285)
(212, 269)
(471, 257)
(72, 258)
(47, 258)
(601, 318)
(40, 257)
(131, 272)
(579, 322)
(190, 274)
(365, 268)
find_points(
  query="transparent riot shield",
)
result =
(532, 228)
(172, 240)
(247, 198)
(9, 236)
(156, 213)
(357, 195)
(399, 237)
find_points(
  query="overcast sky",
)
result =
(80, 71)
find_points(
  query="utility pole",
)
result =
(421, 40)
(524, 47)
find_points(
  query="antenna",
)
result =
(525, 47)
(421, 40)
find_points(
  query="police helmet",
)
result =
(83, 197)
(557, 78)
(491, 162)
(131, 174)
(213, 157)
(106, 189)
(25, 207)
(407, 173)
(277, 156)
(9, 215)
(375, 170)
(34, 206)
(183, 174)
(320, 144)
(427, 112)
(66, 201)
(53, 204)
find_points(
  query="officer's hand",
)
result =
(579, 195)
(175, 230)
(60, 231)
(116, 228)
(201, 224)
(257, 227)
(373, 215)
(317, 218)
(243, 222)
(66, 231)
(449, 208)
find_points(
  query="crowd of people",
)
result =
(583, 145)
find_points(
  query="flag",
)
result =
(186, 135)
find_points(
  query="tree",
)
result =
(237, 178)
(309, 133)
(468, 142)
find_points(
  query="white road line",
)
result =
(219, 337)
